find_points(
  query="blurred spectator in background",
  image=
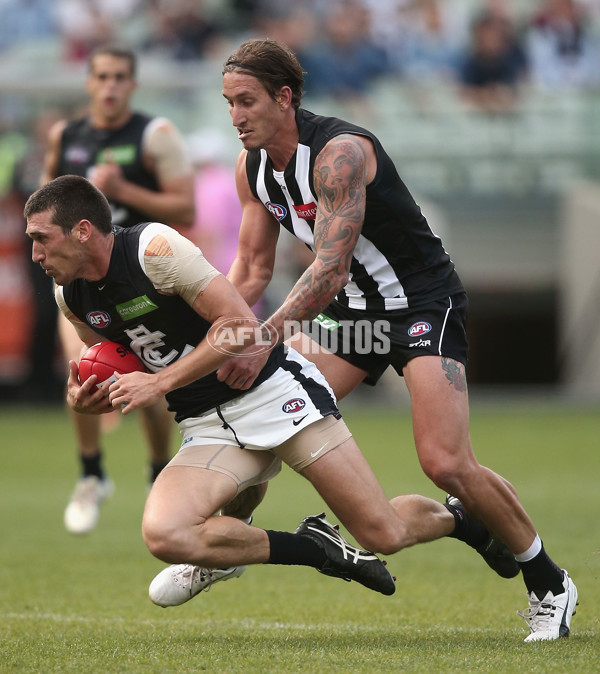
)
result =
(246, 13)
(561, 48)
(181, 30)
(15, 291)
(23, 21)
(298, 25)
(494, 66)
(13, 147)
(347, 59)
(43, 382)
(428, 40)
(218, 212)
(84, 25)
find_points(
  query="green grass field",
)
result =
(80, 604)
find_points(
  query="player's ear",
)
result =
(82, 230)
(284, 97)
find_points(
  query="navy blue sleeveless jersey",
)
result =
(125, 307)
(83, 146)
(398, 261)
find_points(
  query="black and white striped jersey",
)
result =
(398, 261)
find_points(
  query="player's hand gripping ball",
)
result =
(106, 358)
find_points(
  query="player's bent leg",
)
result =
(178, 583)
(346, 482)
(93, 487)
(440, 419)
(440, 412)
(83, 510)
(180, 502)
(82, 513)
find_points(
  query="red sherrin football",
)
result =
(106, 358)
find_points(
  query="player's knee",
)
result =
(156, 538)
(165, 540)
(442, 467)
(451, 473)
(384, 537)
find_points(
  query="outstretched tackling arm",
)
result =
(252, 268)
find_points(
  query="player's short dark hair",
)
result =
(118, 52)
(73, 198)
(273, 63)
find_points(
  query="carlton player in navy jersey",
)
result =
(160, 297)
(378, 263)
(139, 163)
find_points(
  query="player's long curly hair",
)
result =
(272, 63)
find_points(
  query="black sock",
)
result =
(155, 468)
(289, 548)
(92, 465)
(470, 531)
(542, 575)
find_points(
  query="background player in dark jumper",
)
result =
(139, 162)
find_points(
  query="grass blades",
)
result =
(79, 604)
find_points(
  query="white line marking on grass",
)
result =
(245, 623)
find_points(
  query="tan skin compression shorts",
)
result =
(247, 467)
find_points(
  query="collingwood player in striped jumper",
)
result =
(159, 296)
(332, 185)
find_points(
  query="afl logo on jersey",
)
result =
(419, 328)
(98, 319)
(78, 155)
(278, 211)
(293, 405)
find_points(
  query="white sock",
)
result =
(532, 551)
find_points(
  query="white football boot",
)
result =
(179, 583)
(550, 618)
(82, 512)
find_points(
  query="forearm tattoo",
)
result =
(455, 374)
(340, 185)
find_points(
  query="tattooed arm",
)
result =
(342, 171)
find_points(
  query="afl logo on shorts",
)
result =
(293, 405)
(98, 319)
(419, 328)
(278, 211)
